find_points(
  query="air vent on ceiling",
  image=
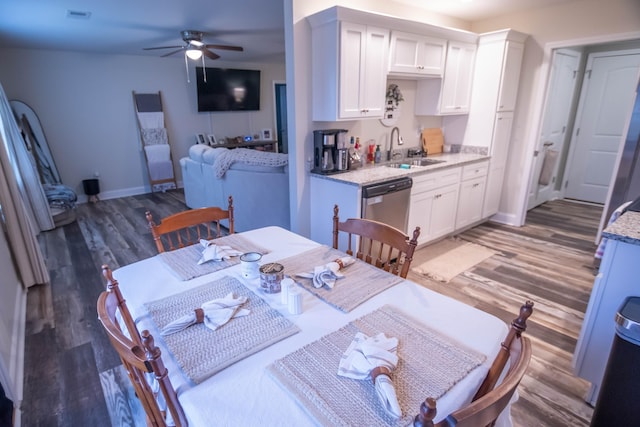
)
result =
(78, 14)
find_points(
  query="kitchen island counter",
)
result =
(626, 228)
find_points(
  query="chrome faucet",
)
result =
(391, 154)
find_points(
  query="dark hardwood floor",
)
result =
(74, 378)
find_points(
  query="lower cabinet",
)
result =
(470, 202)
(434, 200)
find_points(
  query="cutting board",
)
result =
(432, 140)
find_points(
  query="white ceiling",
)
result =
(128, 26)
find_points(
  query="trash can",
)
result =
(617, 404)
(91, 188)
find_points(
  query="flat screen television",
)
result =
(227, 89)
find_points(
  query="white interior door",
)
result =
(607, 95)
(562, 86)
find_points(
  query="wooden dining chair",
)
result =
(378, 244)
(490, 400)
(188, 227)
(139, 355)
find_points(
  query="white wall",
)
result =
(84, 102)
(576, 23)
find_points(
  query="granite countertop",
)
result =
(373, 174)
(626, 228)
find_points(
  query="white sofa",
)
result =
(258, 182)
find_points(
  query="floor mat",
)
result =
(450, 257)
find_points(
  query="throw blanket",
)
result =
(60, 196)
(250, 157)
(154, 136)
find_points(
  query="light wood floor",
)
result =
(74, 378)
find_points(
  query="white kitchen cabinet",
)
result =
(493, 100)
(499, 151)
(434, 200)
(493, 192)
(511, 67)
(616, 281)
(412, 55)
(349, 70)
(472, 189)
(452, 94)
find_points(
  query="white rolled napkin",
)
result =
(213, 252)
(328, 274)
(363, 356)
(216, 313)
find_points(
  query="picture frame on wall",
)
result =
(201, 138)
(266, 135)
(212, 139)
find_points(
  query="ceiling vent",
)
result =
(78, 14)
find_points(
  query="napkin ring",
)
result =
(379, 370)
(199, 315)
(340, 263)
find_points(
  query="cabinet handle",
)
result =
(457, 108)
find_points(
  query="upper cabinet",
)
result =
(452, 94)
(416, 56)
(349, 70)
(363, 77)
(353, 52)
(512, 63)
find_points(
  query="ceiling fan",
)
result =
(194, 47)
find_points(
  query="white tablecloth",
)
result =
(244, 394)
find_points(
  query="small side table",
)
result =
(91, 189)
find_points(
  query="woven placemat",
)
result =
(200, 351)
(184, 262)
(361, 282)
(429, 365)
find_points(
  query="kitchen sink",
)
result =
(407, 163)
(425, 161)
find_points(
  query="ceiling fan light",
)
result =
(194, 53)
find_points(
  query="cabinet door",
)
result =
(353, 39)
(510, 76)
(412, 54)
(493, 192)
(456, 86)
(470, 202)
(501, 139)
(443, 213)
(373, 84)
(420, 214)
(363, 67)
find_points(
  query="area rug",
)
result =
(450, 257)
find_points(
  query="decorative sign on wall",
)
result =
(392, 105)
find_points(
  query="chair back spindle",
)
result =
(377, 243)
(490, 400)
(139, 355)
(189, 227)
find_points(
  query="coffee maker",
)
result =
(330, 151)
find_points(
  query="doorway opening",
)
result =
(280, 108)
(583, 121)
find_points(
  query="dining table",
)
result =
(255, 386)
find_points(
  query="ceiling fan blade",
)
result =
(225, 47)
(210, 54)
(171, 53)
(161, 47)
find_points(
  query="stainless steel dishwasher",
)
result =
(388, 202)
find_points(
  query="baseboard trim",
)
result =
(506, 219)
(124, 192)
